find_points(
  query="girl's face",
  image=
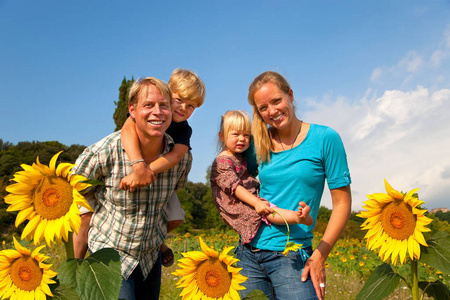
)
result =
(274, 105)
(236, 141)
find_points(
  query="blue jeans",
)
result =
(135, 287)
(278, 276)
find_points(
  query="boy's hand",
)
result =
(262, 208)
(142, 176)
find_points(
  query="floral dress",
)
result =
(227, 172)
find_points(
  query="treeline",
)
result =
(196, 198)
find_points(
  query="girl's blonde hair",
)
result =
(260, 132)
(233, 120)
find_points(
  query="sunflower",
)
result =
(291, 246)
(23, 275)
(48, 197)
(207, 275)
(394, 224)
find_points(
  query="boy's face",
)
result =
(182, 108)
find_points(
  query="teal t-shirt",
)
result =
(299, 174)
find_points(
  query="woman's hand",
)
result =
(315, 267)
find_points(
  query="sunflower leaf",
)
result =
(380, 284)
(255, 295)
(93, 182)
(437, 254)
(436, 289)
(96, 277)
(65, 292)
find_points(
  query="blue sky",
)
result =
(376, 71)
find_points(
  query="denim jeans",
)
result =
(278, 276)
(136, 288)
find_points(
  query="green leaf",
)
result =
(93, 182)
(437, 290)
(96, 277)
(380, 284)
(65, 292)
(437, 254)
(255, 295)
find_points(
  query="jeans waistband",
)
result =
(254, 249)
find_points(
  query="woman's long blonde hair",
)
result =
(260, 132)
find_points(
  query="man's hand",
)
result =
(142, 176)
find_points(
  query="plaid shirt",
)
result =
(135, 224)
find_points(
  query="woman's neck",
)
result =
(290, 130)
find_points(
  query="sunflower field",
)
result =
(348, 266)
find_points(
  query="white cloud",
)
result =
(437, 57)
(375, 74)
(412, 61)
(403, 136)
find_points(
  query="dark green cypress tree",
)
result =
(120, 114)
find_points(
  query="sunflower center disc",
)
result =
(26, 274)
(213, 278)
(398, 220)
(53, 197)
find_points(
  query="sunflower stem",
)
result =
(69, 246)
(287, 225)
(414, 280)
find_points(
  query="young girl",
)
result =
(236, 192)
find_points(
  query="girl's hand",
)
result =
(262, 208)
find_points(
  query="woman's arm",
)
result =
(142, 175)
(315, 265)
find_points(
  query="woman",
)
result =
(294, 158)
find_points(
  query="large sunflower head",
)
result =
(207, 275)
(23, 274)
(47, 196)
(395, 224)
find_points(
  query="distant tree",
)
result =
(120, 114)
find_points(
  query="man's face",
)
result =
(152, 113)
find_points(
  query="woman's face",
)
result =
(274, 105)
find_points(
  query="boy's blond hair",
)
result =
(187, 85)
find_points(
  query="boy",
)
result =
(188, 93)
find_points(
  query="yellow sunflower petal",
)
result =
(208, 274)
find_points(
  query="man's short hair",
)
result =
(141, 84)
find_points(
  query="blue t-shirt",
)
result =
(299, 174)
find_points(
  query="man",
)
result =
(134, 223)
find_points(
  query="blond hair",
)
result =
(187, 85)
(233, 120)
(140, 85)
(261, 134)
